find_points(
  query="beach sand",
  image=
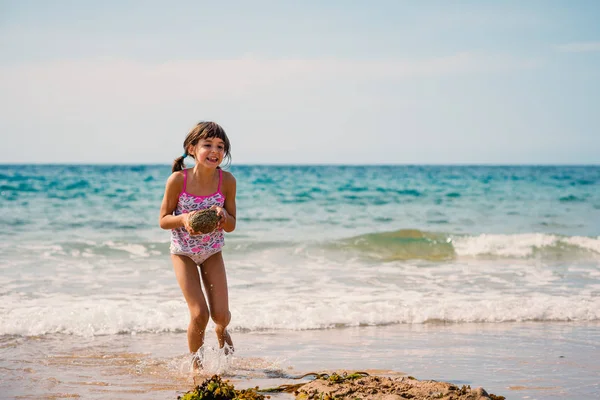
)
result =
(516, 360)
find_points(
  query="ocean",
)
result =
(317, 249)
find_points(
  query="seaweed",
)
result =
(215, 388)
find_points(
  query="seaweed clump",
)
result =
(217, 389)
(204, 221)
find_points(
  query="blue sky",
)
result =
(435, 82)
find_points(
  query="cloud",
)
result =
(579, 47)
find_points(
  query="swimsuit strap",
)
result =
(220, 179)
(184, 179)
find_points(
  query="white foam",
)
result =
(134, 250)
(90, 317)
(73, 316)
(274, 291)
(588, 243)
(518, 245)
(299, 288)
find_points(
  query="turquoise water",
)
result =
(381, 244)
(430, 270)
(344, 200)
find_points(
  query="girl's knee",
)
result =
(221, 318)
(200, 319)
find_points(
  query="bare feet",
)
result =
(198, 360)
(224, 338)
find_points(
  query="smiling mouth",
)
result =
(212, 159)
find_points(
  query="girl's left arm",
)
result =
(229, 189)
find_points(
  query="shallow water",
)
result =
(327, 256)
(517, 360)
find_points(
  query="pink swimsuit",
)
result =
(197, 247)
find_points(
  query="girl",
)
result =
(205, 185)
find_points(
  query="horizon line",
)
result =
(313, 164)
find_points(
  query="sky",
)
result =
(302, 82)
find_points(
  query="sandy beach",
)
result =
(515, 360)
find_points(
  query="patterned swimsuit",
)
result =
(197, 247)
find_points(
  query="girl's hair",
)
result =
(203, 130)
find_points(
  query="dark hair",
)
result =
(203, 130)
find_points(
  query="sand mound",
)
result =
(385, 388)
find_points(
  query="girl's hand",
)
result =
(223, 215)
(186, 224)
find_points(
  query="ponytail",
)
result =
(178, 164)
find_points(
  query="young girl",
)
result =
(205, 185)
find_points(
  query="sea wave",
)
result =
(409, 244)
(140, 314)
(404, 244)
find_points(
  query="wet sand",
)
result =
(515, 360)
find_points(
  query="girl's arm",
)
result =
(173, 188)
(228, 217)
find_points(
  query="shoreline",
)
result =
(536, 359)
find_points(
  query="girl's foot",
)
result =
(224, 339)
(198, 360)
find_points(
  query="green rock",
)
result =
(204, 221)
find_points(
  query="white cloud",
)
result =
(580, 47)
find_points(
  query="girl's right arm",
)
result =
(172, 190)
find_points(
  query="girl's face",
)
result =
(209, 152)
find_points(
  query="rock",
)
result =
(204, 221)
(386, 388)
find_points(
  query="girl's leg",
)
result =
(188, 278)
(215, 286)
